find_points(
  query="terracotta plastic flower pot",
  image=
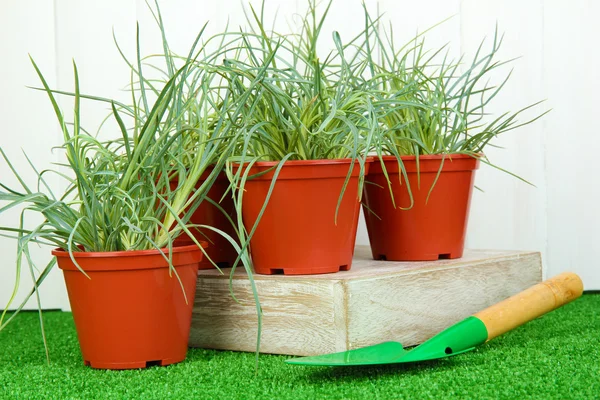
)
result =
(131, 313)
(220, 250)
(297, 233)
(433, 228)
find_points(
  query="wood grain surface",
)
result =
(373, 302)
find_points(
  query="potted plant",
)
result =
(212, 215)
(418, 196)
(114, 229)
(301, 164)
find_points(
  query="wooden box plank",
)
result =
(374, 302)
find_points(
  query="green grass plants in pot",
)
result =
(212, 217)
(418, 196)
(302, 161)
(114, 229)
(213, 214)
(217, 211)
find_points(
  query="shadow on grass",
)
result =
(378, 371)
(480, 358)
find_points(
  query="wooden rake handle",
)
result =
(531, 303)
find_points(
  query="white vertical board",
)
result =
(84, 35)
(28, 123)
(347, 18)
(571, 73)
(184, 19)
(510, 214)
(408, 19)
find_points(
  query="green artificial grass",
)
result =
(556, 356)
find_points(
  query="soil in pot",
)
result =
(298, 233)
(131, 312)
(435, 227)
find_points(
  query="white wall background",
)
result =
(559, 62)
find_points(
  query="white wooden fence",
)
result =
(559, 62)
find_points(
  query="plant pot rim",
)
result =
(304, 169)
(58, 252)
(449, 157)
(430, 163)
(333, 161)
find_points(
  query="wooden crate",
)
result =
(375, 301)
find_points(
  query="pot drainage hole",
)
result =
(153, 363)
